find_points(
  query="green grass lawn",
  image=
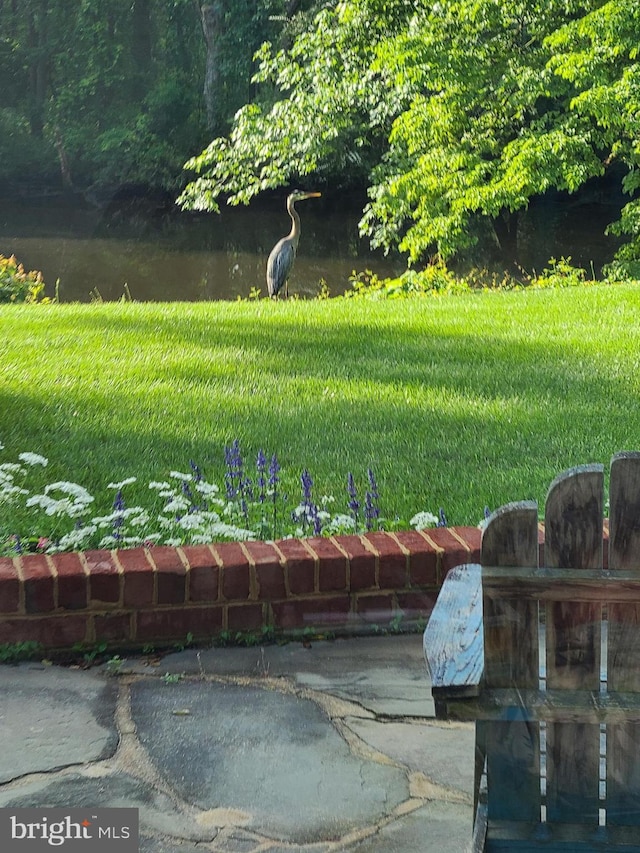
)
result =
(457, 402)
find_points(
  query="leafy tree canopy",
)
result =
(456, 113)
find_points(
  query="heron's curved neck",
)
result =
(294, 234)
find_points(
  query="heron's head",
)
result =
(300, 195)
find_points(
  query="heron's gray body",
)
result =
(283, 254)
(280, 264)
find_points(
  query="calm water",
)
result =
(161, 256)
(157, 254)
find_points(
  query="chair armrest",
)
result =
(453, 640)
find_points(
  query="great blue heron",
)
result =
(283, 254)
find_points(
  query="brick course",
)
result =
(105, 578)
(204, 572)
(159, 595)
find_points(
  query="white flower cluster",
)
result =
(33, 459)
(423, 519)
(187, 509)
(9, 491)
(177, 522)
(72, 501)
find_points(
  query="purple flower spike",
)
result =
(310, 515)
(272, 483)
(371, 507)
(233, 477)
(197, 473)
(274, 470)
(442, 518)
(238, 486)
(307, 485)
(187, 491)
(353, 504)
(118, 506)
(261, 468)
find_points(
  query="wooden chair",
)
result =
(546, 660)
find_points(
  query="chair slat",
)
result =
(573, 539)
(623, 672)
(511, 625)
(624, 512)
(511, 659)
(563, 706)
(573, 519)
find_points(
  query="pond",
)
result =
(145, 248)
(160, 254)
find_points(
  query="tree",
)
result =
(114, 91)
(86, 84)
(597, 56)
(323, 107)
(459, 114)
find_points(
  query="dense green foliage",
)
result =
(455, 115)
(113, 91)
(324, 107)
(461, 402)
(459, 113)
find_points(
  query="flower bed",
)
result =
(202, 566)
(189, 510)
(162, 595)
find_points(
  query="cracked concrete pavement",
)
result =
(329, 746)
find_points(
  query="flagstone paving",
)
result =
(314, 748)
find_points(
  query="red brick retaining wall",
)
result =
(159, 595)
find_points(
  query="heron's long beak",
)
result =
(312, 195)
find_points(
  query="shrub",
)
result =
(560, 273)
(435, 278)
(16, 285)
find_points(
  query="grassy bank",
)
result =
(460, 402)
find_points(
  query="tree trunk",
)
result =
(505, 228)
(142, 49)
(39, 70)
(211, 18)
(65, 169)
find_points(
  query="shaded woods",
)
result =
(109, 93)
